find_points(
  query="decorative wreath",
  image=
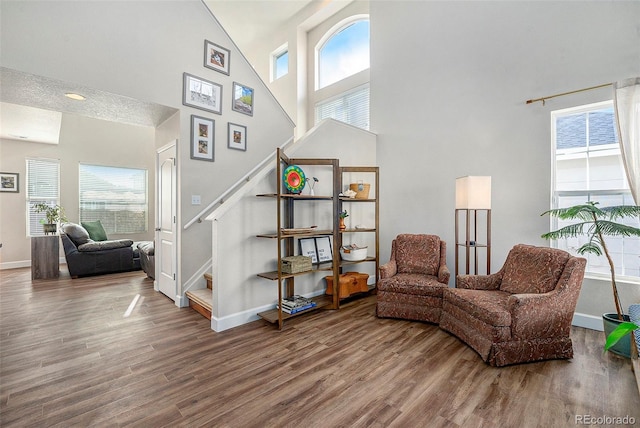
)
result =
(294, 178)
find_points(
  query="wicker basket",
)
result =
(361, 189)
(296, 264)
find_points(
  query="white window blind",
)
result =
(351, 107)
(115, 196)
(43, 185)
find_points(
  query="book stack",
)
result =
(296, 303)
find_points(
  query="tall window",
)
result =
(351, 107)
(43, 185)
(343, 54)
(588, 167)
(280, 62)
(115, 196)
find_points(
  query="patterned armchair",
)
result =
(411, 283)
(523, 312)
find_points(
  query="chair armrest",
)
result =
(388, 269)
(444, 274)
(540, 315)
(480, 282)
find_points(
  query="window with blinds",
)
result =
(115, 196)
(43, 185)
(351, 107)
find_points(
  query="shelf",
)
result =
(345, 199)
(299, 197)
(323, 232)
(273, 275)
(272, 315)
(344, 263)
(357, 230)
(474, 245)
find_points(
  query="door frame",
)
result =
(176, 297)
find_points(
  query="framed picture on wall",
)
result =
(308, 248)
(201, 93)
(202, 138)
(9, 182)
(216, 57)
(242, 99)
(237, 138)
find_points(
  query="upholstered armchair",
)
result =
(523, 312)
(412, 282)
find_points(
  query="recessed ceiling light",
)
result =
(73, 96)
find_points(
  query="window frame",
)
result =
(106, 224)
(274, 57)
(587, 152)
(32, 199)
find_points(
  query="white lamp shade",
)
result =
(473, 192)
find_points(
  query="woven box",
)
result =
(361, 189)
(296, 264)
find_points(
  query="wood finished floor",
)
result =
(70, 358)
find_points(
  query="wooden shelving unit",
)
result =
(286, 242)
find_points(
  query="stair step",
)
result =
(201, 301)
(209, 279)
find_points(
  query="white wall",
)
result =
(239, 294)
(449, 81)
(141, 49)
(82, 140)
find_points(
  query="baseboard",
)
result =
(15, 265)
(587, 321)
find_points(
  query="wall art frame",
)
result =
(243, 99)
(237, 136)
(323, 247)
(202, 138)
(308, 248)
(201, 93)
(217, 58)
(9, 182)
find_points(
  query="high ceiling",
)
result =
(27, 99)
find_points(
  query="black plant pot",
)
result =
(50, 228)
(610, 322)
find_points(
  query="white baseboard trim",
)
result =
(587, 321)
(244, 317)
(15, 265)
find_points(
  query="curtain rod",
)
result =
(543, 99)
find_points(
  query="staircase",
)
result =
(201, 300)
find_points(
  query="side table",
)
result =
(45, 257)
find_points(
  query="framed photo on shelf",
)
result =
(237, 136)
(216, 57)
(308, 248)
(9, 182)
(202, 138)
(242, 99)
(323, 247)
(201, 93)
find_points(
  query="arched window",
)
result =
(343, 53)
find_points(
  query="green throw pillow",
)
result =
(95, 229)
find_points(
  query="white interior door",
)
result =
(165, 248)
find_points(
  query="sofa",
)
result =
(87, 256)
(521, 313)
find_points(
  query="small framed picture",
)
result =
(216, 57)
(9, 182)
(323, 247)
(242, 99)
(308, 248)
(202, 94)
(237, 138)
(202, 138)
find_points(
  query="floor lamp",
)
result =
(473, 197)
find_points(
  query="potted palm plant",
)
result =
(53, 213)
(596, 223)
